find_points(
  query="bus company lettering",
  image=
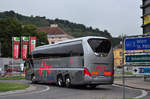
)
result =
(98, 69)
(101, 68)
(44, 68)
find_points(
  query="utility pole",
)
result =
(0, 50)
(123, 78)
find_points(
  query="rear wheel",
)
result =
(60, 82)
(68, 81)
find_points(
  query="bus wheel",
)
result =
(60, 81)
(33, 80)
(68, 81)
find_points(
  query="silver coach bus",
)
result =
(83, 61)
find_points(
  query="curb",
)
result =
(30, 88)
(132, 87)
(129, 76)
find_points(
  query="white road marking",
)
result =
(34, 92)
(46, 89)
(144, 93)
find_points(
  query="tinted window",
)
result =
(65, 50)
(64, 55)
(76, 50)
(100, 46)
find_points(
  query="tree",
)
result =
(11, 28)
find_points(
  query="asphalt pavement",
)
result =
(50, 91)
(137, 83)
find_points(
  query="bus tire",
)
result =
(60, 82)
(67, 81)
(33, 79)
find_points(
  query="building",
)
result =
(146, 16)
(118, 55)
(118, 58)
(55, 34)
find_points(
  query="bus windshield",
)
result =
(100, 46)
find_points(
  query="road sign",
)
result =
(137, 58)
(141, 70)
(135, 70)
(142, 43)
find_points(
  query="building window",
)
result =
(120, 53)
(120, 61)
(52, 42)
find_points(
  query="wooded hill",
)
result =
(74, 29)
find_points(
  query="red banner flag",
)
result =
(24, 47)
(32, 43)
(16, 43)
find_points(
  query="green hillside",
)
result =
(74, 29)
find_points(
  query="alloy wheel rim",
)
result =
(59, 82)
(67, 82)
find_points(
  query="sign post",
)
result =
(132, 45)
(123, 78)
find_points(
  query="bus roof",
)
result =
(67, 41)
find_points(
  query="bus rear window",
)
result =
(100, 46)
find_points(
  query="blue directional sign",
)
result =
(141, 70)
(138, 58)
(142, 43)
(144, 70)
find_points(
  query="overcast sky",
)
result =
(116, 16)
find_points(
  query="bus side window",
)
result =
(76, 54)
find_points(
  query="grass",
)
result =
(4, 86)
(118, 77)
(126, 73)
(12, 78)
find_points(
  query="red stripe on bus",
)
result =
(107, 73)
(94, 73)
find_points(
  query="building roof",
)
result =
(52, 30)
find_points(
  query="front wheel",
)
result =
(33, 79)
(60, 82)
(68, 82)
